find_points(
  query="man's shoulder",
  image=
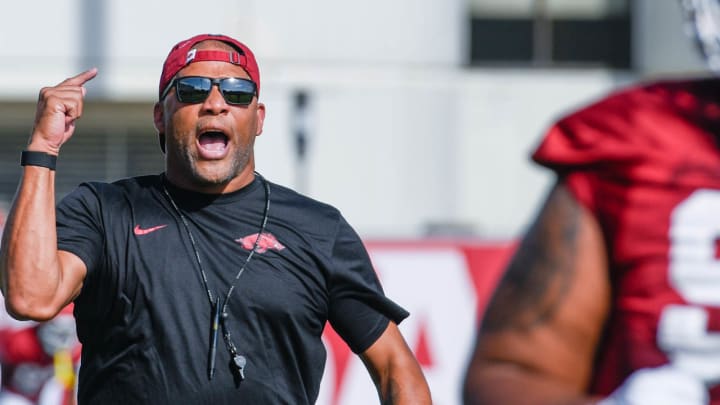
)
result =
(151, 180)
(287, 195)
(111, 192)
(647, 122)
(124, 185)
(303, 211)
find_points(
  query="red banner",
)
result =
(445, 286)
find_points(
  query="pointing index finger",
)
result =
(81, 78)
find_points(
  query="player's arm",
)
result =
(539, 334)
(395, 371)
(37, 280)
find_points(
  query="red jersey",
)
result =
(645, 161)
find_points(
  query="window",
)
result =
(551, 33)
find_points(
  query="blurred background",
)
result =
(414, 117)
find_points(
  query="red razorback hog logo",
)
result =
(265, 242)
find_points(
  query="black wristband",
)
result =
(32, 158)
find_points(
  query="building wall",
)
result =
(402, 136)
(660, 44)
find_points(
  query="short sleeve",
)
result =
(359, 309)
(79, 226)
(642, 131)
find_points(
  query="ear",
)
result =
(159, 117)
(159, 120)
(260, 118)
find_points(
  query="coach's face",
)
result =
(210, 145)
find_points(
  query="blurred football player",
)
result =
(613, 296)
(39, 361)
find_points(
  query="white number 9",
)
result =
(695, 274)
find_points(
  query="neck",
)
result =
(191, 183)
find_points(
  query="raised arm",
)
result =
(395, 371)
(37, 279)
(539, 334)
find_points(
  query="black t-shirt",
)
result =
(143, 315)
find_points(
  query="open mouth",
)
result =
(213, 142)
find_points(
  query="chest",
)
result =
(170, 264)
(662, 229)
(661, 213)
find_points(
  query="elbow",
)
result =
(28, 294)
(481, 383)
(24, 309)
(468, 390)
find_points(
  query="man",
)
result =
(613, 296)
(207, 283)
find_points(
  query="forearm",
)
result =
(29, 258)
(404, 385)
(36, 280)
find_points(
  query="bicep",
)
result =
(394, 369)
(385, 350)
(548, 312)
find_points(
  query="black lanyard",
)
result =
(220, 317)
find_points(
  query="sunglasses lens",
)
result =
(193, 89)
(237, 91)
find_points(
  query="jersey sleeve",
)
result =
(79, 226)
(599, 135)
(359, 309)
(641, 133)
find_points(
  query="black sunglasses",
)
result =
(195, 89)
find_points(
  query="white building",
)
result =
(404, 133)
(420, 117)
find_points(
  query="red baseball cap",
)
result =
(182, 55)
